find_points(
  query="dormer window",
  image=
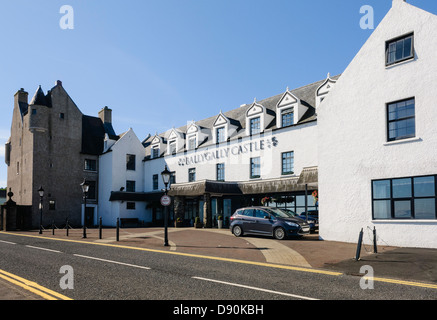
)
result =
(257, 118)
(172, 147)
(157, 147)
(399, 49)
(192, 143)
(289, 110)
(155, 152)
(287, 117)
(176, 141)
(220, 134)
(255, 125)
(324, 89)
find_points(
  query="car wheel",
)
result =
(237, 231)
(279, 233)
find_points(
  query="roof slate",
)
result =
(306, 94)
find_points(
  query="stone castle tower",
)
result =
(54, 146)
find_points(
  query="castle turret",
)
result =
(38, 111)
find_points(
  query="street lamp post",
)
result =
(166, 179)
(85, 187)
(41, 195)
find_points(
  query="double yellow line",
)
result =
(32, 287)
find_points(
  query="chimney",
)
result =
(58, 83)
(22, 96)
(105, 115)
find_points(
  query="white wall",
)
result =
(352, 128)
(113, 175)
(301, 139)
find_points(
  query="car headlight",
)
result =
(292, 224)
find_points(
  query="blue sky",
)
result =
(161, 63)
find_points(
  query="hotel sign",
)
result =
(223, 153)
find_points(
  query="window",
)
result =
(155, 182)
(399, 49)
(172, 147)
(287, 117)
(92, 190)
(33, 111)
(255, 167)
(192, 175)
(130, 186)
(61, 115)
(130, 162)
(155, 152)
(220, 172)
(130, 205)
(90, 165)
(255, 125)
(401, 121)
(404, 198)
(220, 134)
(172, 177)
(288, 162)
(192, 141)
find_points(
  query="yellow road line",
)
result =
(190, 255)
(406, 283)
(388, 280)
(32, 286)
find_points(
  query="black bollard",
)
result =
(67, 227)
(53, 227)
(375, 248)
(118, 229)
(100, 228)
(360, 240)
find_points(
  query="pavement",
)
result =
(404, 264)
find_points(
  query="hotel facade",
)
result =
(363, 141)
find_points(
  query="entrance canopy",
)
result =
(288, 184)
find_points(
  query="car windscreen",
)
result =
(278, 213)
(289, 212)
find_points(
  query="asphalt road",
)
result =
(98, 272)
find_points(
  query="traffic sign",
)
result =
(165, 200)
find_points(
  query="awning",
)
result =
(135, 196)
(199, 188)
(307, 177)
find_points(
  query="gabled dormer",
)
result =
(175, 141)
(223, 128)
(257, 118)
(157, 147)
(195, 136)
(324, 89)
(289, 110)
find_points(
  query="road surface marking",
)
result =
(111, 261)
(263, 264)
(45, 249)
(32, 286)
(405, 283)
(255, 288)
(8, 242)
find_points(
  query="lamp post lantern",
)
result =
(164, 201)
(85, 187)
(41, 195)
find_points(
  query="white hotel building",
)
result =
(365, 140)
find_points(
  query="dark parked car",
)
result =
(314, 224)
(267, 221)
(312, 215)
